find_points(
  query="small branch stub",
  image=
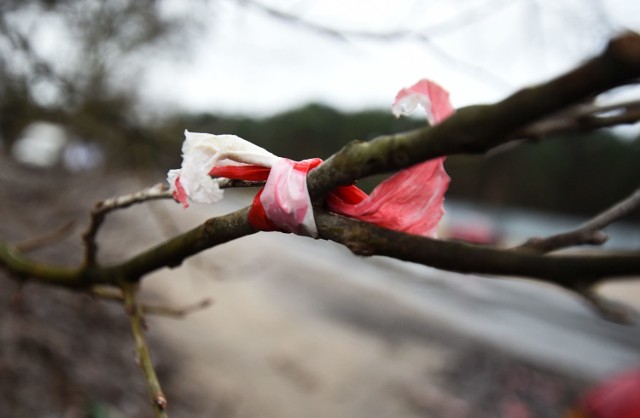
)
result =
(161, 402)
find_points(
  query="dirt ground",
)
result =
(283, 339)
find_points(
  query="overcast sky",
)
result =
(249, 62)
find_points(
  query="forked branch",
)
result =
(588, 233)
(475, 129)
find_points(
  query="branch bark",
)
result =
(583, 119)
(588, 233)
(474, 129)
(477, 129)
(571, 271)
(101, 209)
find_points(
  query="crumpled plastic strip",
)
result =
(200, 153)
(410, 201)
(285, 199)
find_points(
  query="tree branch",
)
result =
(143, 356)
(612, 311)
(116, 294)
(565, 270)
(473, 129)
(177, 313)
(46, 239)
(588, 233)
(101, 209)
(424, 36)
(583, 119)
(477, 129)
(174, 251)
(156, 192)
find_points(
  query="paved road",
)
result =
(536, 321)
(533, 320)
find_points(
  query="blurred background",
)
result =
(94, 99)
(86, 85)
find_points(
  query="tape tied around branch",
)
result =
(283, 204)
(410, 201)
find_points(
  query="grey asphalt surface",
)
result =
(536, 321)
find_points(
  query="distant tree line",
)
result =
(98, 102)
(574, 174)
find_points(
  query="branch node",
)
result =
(626, 48)
(597, 238)
(608, 309)
(360, 248)
(160, 401)
(102, 208)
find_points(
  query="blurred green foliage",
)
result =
(89, 84)
(575, 174)
(314, 130)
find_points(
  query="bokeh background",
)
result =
(94, 99)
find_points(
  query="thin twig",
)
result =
(143, 356)
(177, 313)
(156, 192)
(627, 104)
(425, 35)
(101, 209)
(617, 65)
(116, 294)
(46, 239)
(609, 310)
(588, 233)
(583, 118)
(460, 21)
(107, 293)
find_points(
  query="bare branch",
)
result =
(583, 119)
(108, 293)
(171, 253)
(460, 21)
(19, 266)
(101, 209)
(116, 294)
(158, 191)
(441, 28)
(459, 134)
(177, 313)
(46, 239)
(617, 65)
(571, 271)
(617, 211)
(143, 356)
(424, 35)
(587, 233)
(611, 311)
